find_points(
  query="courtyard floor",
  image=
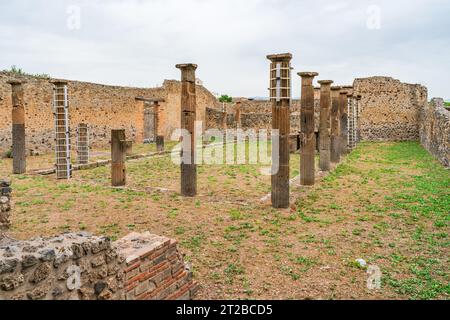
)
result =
(386, 203)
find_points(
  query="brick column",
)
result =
(188, 117)
(159, 136)
(325, 124)
(358, 118)
(280, 94)
(335, 125)
(308, 148)
(18, 128)
(118, 156)
(238, 114)
(343, 119)
(346, 118)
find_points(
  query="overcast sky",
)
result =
(138, 43)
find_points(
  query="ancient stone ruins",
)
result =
(70, 117)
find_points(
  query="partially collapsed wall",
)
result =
(435, 130)
(102, 107)
(85, 267)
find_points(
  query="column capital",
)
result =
(325, 82)
(308, 74)
(283, 57)
(186, 66)
(336, 88)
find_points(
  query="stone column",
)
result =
(118, 156)
(308, 148)
(238, 114)
(280, 94)
(350, 138)
(346, 119)
(325, 124)
(343, 114)
(358, 118)
(18, 128)
(335, 125)
(159, 137)
(5, 204)
(224, 119)
(188, 117)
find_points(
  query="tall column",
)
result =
(83, 143)
(224, 119)
(346, 134)
(159, 137)
(237, 118)
(343, 114)
(280, 94)
(358, 118)
(62, 130)
(351, 123)
(325, 124)
(18, 128)
(188, 117)
(335, 125)
(308, 148)
(118, 156)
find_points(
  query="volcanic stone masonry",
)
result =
(390, 109)
(85, 267)
(5, 204)
(101, 106)
(435, 130)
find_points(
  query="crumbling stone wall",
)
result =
(5, 204)
(390, 109)
(84, 267)
(435, 130)
(102, 107)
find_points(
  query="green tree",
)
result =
(225, 99)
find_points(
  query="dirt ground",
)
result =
(386, 203)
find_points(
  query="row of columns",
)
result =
(62, 132)
(338, 122)
(334, 126)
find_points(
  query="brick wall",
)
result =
(155, 269)
(101, 107)
(84, 267)
(435, 130)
